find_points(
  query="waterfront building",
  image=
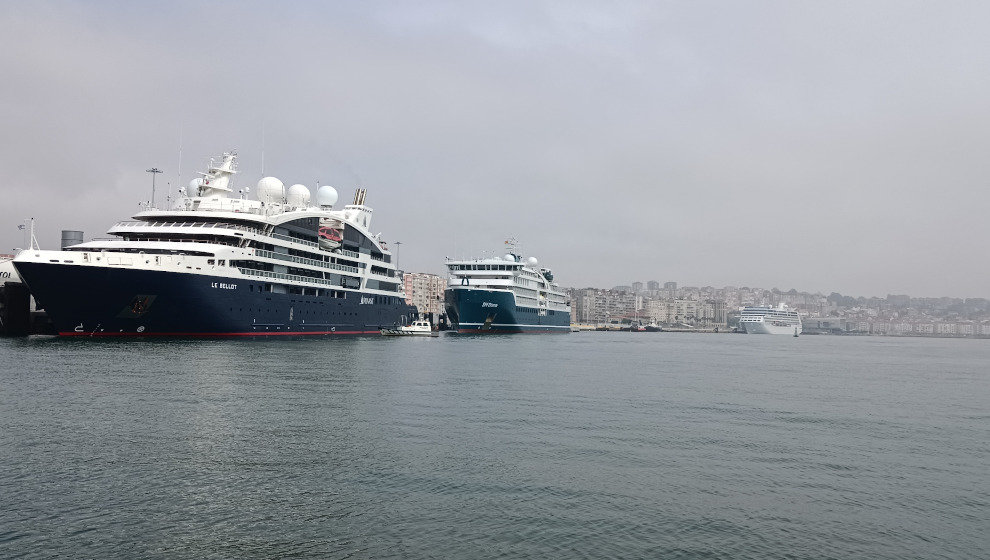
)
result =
(592, 306)
(946, 328)
(670, 311)
(713, 313)
(424, 291)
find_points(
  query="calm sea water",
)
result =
(589, 445)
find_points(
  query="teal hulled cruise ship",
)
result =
(506, 294)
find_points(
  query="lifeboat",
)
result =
(330, 238)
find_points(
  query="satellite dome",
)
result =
(509, 257)
(532, 261)
(271, 191)
(326, 196)
(297, 196)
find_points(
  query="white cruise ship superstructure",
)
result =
(770, 320)
(219, 264)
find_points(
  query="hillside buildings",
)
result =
(710, 307)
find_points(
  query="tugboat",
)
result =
(218, 264)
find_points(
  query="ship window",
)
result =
(210, 261)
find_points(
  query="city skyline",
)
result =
(822, 147)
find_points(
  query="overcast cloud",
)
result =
(823, 146)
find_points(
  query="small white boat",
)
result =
(419, 327)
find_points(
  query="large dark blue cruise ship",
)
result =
(505, 295)
(217, 264)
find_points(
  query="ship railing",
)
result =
(290, 277)
(295, 240)
(160, 240)
(387, 274)
(303, 260)
(226, 225)
(221, 225)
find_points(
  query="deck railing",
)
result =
(303, 260)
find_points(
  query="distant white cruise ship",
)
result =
(770, 320)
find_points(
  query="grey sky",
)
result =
(815, 145)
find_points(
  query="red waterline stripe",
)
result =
(497, 331)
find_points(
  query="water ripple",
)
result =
(594, 445)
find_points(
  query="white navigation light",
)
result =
(297, 196)
(326, 196)
(532, 261)
(271, 191)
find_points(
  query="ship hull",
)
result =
(106, 301)
(768, 327)
(490, 311)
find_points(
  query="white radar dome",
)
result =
(271, 191)
(326, 196)
(297, 196)
(509, 257)
(532, 261)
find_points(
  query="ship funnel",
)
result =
(71, 237)
(359, 196)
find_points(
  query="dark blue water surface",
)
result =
(588, 445)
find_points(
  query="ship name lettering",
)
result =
(489, 304)
(367, 300)
(223, 286)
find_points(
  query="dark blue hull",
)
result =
(490, 311)
(92, 301)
